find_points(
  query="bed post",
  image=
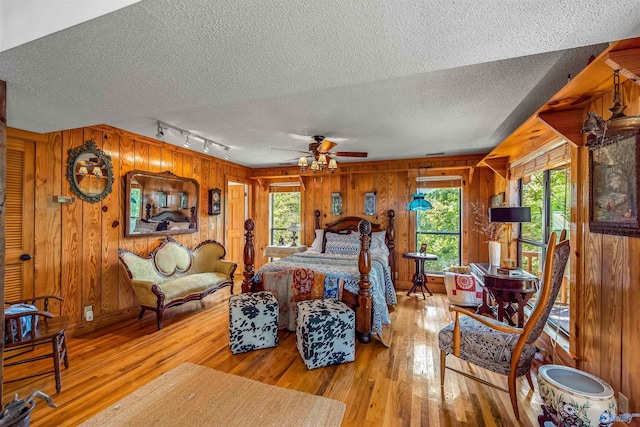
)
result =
(316, 214)
(249, 255)
(391, 236)
(363, 311)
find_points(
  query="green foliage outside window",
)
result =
(285, 210)
(439, 228)
(548, 193)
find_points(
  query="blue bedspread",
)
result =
(345, 267)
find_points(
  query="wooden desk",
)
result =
(506, 290)
(419, 278)
(276, 251)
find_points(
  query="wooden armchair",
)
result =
(27, 326)
(496, 346)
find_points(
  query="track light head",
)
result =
(227, 155)
(160, 133)
(187, 142)
(206, 146)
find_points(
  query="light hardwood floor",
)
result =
(399, 385)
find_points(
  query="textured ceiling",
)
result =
(400, 79)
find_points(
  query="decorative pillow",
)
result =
(25, 322)
(460, 269)
(342, 244)
(178, 225)
(144, 227)
(378, 246)
(317, 242)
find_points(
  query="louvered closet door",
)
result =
(19, 220)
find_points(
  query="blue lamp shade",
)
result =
(418, 203)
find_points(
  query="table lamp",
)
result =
(294, 228)
(509, 215)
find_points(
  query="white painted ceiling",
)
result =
(400, 79)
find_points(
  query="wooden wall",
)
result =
(77, 244)
(608, 320)
(393, 181)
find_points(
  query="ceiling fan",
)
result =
(321, 155)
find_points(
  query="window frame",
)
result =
(273, 229)
(546, 230)
(446, 233)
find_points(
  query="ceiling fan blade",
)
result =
(350, 154)
(326, 145)
(295, 151)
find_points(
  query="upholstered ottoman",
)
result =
(253, 321)
(325, 332)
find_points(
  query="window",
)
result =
(439, 227)
(284, 211)
(548, 193)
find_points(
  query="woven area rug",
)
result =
(193, 395)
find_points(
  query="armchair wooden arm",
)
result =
(33, 301)
(482, 319)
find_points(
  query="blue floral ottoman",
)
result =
(325, 332)
(253, 321)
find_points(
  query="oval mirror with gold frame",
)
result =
(89, 172)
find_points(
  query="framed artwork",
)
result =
(370, 203)
(336, 203)
(162, 199)
(183, 200)
(613, 172)
(497, 200)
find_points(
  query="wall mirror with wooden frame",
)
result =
(89, 172)
(160, 203)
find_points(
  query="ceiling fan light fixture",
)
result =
(322, 159)
(303, 162)
(333, 165)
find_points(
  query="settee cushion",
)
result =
(191, 284)
(172, 257)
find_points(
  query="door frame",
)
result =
(248, 200)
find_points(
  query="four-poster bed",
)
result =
(355, 270)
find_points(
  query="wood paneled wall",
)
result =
(394, 182)
(608, 321)
(77, 244)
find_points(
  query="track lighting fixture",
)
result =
(160, 133)
(190, 136)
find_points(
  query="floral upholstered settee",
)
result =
(173, 274)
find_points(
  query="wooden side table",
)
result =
(275, 251)
(510, 293)
(419, 277)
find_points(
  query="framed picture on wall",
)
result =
(370, 203)
(162, 199)
(613, 172)
(497, 200)
(336, 203)
(183, 199)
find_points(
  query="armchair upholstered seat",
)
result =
(496, 346)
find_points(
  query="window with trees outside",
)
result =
(548, 193)
(284, 210)
(439, 227)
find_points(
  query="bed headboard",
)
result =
(349, 224)
(170, 216)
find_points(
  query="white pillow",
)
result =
(316, 246)
(378, 245)
(178, 225)
(342, 244)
